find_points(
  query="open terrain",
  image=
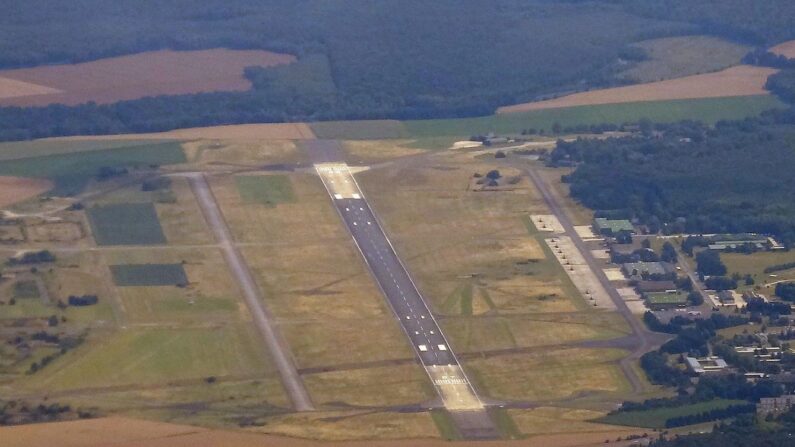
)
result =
(18, 189)
(136, 76)
(742, 80)
(785, 49)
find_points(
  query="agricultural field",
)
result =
(785, 49)
(734, 82)
(136, 76)
(134, 275)
(126, 224)
(18, 189)
(73, 170)
(675, 57)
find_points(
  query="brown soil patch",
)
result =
(786, 49)
(240, 132)
(123, 432)
(130, 77)
(742, 80)
(11, 88)
(17, 189)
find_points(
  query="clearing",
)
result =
(674, 57)
(126, 224)
(131, 77)
(268, 131)
(742, 80)
(133, 275)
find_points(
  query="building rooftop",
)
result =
(613, 225)
(652, 268)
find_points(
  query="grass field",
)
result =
(269, 190)
(549, 374)
(159, 355)
(359, 130)
(72, 171)
(126, 224)
(550, 420)
(706, 110)
(149, 275)
(673, 57)
(25, 289)
(656, 418)
(755, 264)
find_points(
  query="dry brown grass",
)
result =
(271, 131)
(182, 220)
(145, 74)
(742, 80)
(373, 151)
(550, 375)
(245, 152)
(384, 386)
(17, 189)
(785, 49)
(549, 420)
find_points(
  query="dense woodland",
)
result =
(406, 59)
(734, 178)
(745, 431)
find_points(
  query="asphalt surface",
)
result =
(429, 343)
(251, 293)
(644, 340)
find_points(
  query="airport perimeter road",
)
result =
(645, 341)
(253, 297)
(425, 335)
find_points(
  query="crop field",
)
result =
(126, 224)
(656, 418)
(41, 148)
(739, 81)
(708, 110)
(135, 76)
(269, 190)
(71, 172)
(17, 189)
(674, 57)
(236, 132)
(132, 275)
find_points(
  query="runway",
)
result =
(251, 293)
(408, 305)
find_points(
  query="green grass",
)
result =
(146, 356)
(42, 148)
(706, 110)
(445, 424)
(71, 171)
(666, 298)
(26, 289)
(149, 275)
(126, 224)
(656, 418)
(267, 190)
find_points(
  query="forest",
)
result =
(407, 59)
(733, 178)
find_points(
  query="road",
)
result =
(429, 343)
(251, 293)
(645, 340)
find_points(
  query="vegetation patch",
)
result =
(658, 417)
(126, 224)
(71, 172)
(267, 190)
(149, 275)
(26, 289)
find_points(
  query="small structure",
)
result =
(656, 286)
(639, 270)
(610, 227)
(734, 241)
(775, 405)
(706, 364)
